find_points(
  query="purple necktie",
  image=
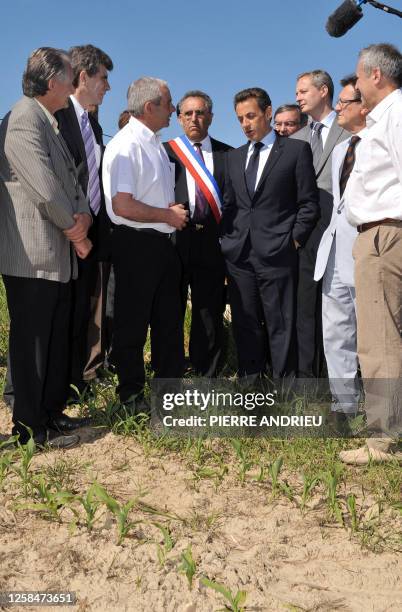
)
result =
(201, 202)
(93, 191)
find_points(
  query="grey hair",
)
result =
(385, 57)
(195, 93)
(320, 78)
(44, 64)
(143, 90)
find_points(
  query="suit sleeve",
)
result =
(28, 153)
(307, 196)
(228, 197)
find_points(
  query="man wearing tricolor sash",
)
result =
(199, 174)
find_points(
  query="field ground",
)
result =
(130, 521)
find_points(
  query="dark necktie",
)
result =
(348, 163)
(252, 168)
(93, 191)
(316, 141)
(201, 202)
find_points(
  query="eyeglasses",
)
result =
(278, 124)
(344, 103)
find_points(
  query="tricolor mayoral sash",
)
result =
(200, 173)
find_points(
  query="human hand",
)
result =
(83, 248)
(79, 230)
(178, 215)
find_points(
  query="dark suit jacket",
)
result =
(99, 233)
(284, 207)
(211, 233)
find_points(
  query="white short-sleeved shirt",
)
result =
(374, 190)
(136, 162)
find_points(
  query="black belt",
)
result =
(366, 226)
(149, 230)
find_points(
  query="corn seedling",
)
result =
(6, 460)
(25, 452)
(90, 505)
(274, 468)
(309, 482)
(351, 506)
(188, 566)
(52, 502)
(217, 475)
(331, 481)
(121, 511)
(245, 463)
(163, 551)
(235, 601)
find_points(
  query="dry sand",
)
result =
(239, 537)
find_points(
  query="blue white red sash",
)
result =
(200, 173)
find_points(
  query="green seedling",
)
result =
(163, 551)
(235, 601)
(52, 502)
(90, 505)
(245, 463)
(309, 483)
(217, 475)
(6, 460)
(261, 474)
(26, 453)
(188, 566)
(274, 468)
(121, 511)
(331, 481)
(351, 506)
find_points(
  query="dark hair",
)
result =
(124, 118)
(350, 79)
(88, 58)
(43, 64)
(320, 78)
(194, 93)
(263, 99)
(284, 108)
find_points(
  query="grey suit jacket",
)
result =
(323, 168)
(39, 194)
(339, 229)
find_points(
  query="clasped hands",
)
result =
(77, 234)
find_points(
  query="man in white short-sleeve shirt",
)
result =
(139, 193)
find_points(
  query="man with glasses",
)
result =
(288, 119)
(203, 268)
(336, 268)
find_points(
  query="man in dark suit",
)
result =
(83, 135)
(203, 268)
(314, 93)
(270, 208)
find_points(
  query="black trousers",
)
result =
(309, 318)
(38, 347)
(203, 270)
(147, 293)
(262, 300)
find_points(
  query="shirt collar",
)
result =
(80, 110)
(328, 120)
(267, 141)
(378, 111)
(205, 143)
(141, 130)
(51, 118)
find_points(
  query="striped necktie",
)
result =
(348, 163)
(93, 191)
(316, 141)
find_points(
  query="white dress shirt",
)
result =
(206, 148)
(79, 111)
(374, 190)
(135, 162)
(268, 142)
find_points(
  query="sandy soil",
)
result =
(239, 537)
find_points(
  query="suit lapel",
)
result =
(332, 139)
(242, 163)
(273, 157)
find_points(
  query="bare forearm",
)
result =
(124, 205)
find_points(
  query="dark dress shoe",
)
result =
(57, 441)
(65, 424)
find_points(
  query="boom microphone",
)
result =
(344, 18)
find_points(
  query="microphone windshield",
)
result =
(344, 18)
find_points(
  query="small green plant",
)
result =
(331, 482)
(235, 601)
(188, 565)
(309, 483)
(51, 501)
(245, 463)
(121, 511)
(351, 506)
(90, 504)
(274, 468)
(163, 551)
(26, 453)
(217, 475)
(6, 460)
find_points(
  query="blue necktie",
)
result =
(93, 176)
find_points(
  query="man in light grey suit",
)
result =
(335, 264)
(44, 220)
(314, 93)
